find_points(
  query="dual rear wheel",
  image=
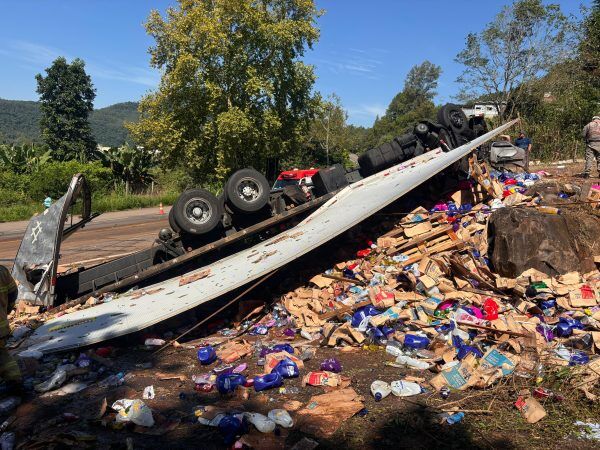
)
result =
(198, 211)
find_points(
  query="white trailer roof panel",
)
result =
(353, 204)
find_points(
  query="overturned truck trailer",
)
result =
(132, 312)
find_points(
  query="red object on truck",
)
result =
(295, 176)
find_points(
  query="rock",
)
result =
(524, 238)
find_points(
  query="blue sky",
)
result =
(366, 46)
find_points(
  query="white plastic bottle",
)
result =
(412, 362)
(281, 417)
(380, 389)
(405, 388)
(261, 422)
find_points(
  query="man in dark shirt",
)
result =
(523, 142)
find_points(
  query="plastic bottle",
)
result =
(394, 348)
(56, 380)
(113, 380)
(262, 423)
(230, 427)
(548, 210)
(281, 417)
(412, 362)
(415, 341)
(455, 418)
(227, 382)
(207, 355)
(154, 342)
(8, 404)
(7, 441)
(287, 368)
(405, 388)
(271, 380)
(380, 390)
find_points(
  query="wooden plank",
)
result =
(416, 241)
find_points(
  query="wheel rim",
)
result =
(456, 119)
(198, 211)
(248, 190)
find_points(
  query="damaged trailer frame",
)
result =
(140, 309)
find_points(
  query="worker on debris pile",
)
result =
(591, 136)
(525, 143)
(10, 372)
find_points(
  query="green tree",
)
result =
(26, 158)
(524, 41)
(66, 100)
(419, 88)
(234, 90)
(413, 103)
(327, 138)
(129, 164)
(589, 46)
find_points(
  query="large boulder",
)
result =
(524, 238)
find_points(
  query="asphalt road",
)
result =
(108, 235)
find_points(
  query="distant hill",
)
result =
(19, 121)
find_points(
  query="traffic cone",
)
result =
(161, 210)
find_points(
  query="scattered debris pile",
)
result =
(422, 297)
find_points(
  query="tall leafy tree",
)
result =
(66, 100)
(234, 91)
(413, 103)
(525, 39)
(327, 137)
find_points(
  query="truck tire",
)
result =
(389, 155)
(174, 226)
(197, 211)
(247, 191)
(398, 151)
(371, 162)
(453, 117)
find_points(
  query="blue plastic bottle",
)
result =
(287, 368)
(269, 381)
(416, 342)
(227, 382)
(230, 427)
(207, 355)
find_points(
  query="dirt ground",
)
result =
(491, 420)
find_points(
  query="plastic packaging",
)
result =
(148, 393)
(262, 423)
(7, 441)
(230, 427)
(491, 309)
(113, 380)
(135, 411)
(415, 341)
(154, 342)
(269, 381)
(412, 362)
(331, 365)
(394, 348)
(227, 382)
(287, 369)
(57, 379)
(207, 355)
(281, 417)
(8, 404)
(380, 390)
(405, 388)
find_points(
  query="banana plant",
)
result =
(25, 158)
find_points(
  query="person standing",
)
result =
(591, 136)
(525, 143)
(10, 372)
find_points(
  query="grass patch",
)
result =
(105, 203)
